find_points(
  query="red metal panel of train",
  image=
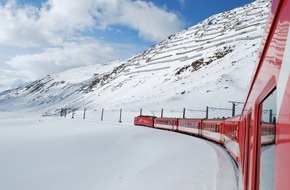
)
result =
(231, 136)
(213, 129)
(166, 123)
(144, 120)
(190, 126)
(268, 100)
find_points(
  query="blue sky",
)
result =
(40, 37)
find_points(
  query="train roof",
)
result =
(234, 118)
(215, 119)
(191, 119)
(146, 116)
(167, 118)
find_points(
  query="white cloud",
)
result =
(55, 20)
(66, 15)
(56, 33)
(29, 26)
(69, 55)
(151, 22)
(19, 25)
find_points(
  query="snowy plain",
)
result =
(63, 153)
(52, 153)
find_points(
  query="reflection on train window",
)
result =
(267, 136)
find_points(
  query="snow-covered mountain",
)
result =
(208, 64)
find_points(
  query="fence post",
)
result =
(140, 111)
(120, 119)
(102, 116)
(73, 113)
(183, 113)
(84, 116)
(65, 110)
(161, 112)
(206, 113)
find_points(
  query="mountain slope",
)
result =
(208, 64)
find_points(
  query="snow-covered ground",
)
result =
(208, 64)
(64, 153)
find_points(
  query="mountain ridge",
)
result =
(207, 64)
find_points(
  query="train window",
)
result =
(267, 138)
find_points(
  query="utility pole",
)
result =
(234, 104)
(183, 116)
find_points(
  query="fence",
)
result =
(127, 116)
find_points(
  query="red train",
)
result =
(259, 138)
(223, 131)
(144, 121)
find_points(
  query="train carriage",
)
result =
(190, 126)
(144, 120)
(166, 123)
(213, 129)
(231, 136)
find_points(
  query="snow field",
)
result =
(59, 153)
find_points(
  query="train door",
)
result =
(266, 142)
(199, 127)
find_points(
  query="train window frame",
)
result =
(248, 125)
(261, 121)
